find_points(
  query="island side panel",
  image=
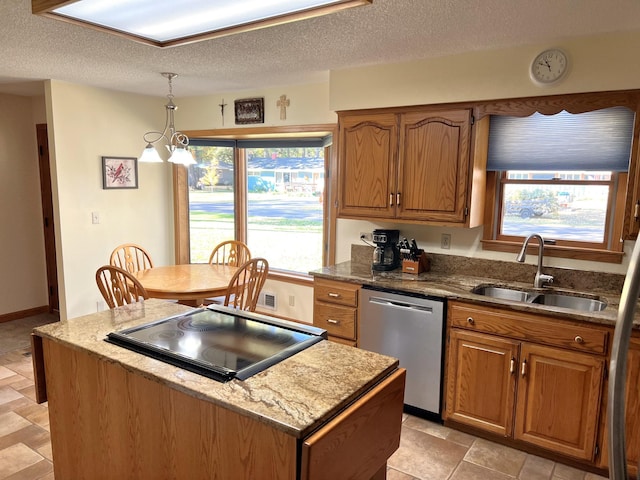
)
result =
(107, 422)
(359, 441)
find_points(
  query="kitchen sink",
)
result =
(503, 293)
(553, 299)
(583, 304)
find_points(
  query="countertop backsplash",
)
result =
(581, 280)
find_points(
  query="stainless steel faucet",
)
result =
(541, 279)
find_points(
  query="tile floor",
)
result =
(428, 451)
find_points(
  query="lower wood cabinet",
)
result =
(335, 309)
(505, 375)
(481, 384)
(632, 411)
(109, 422)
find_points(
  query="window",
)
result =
(574, 210)
(267, 193)
(560, 176)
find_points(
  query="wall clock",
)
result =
(549, 67)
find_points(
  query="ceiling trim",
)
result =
(46, 8)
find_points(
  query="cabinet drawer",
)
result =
(336, 320)
(530, 327)
(336, 292)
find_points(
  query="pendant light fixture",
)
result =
(177, 142)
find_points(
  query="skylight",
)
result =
(174, 22)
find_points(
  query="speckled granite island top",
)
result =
(295, 395)
(457, 284)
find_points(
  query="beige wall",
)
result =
(599, 63)
(596, 64)
(84, 124)
(23, 281)
(308, 104)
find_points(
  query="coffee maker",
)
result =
(386, 255)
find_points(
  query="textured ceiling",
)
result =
(388, 31)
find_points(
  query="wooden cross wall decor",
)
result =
(283, 103)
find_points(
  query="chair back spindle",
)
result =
(246, 284)
(119, 287)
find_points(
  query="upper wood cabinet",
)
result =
(367, 163)
(412, 165)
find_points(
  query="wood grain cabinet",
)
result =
(109, 421)
(335, 309)
(412, 165)
(533, 379)
(632, 411)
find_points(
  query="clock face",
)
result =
(549, 67)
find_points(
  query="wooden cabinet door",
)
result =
(434, 165)
(559, 400)
(481, 381)
(367, 165)
(632, 406)
(632, 412)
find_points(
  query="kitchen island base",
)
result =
(108, 421)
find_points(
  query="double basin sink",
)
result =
(555, 299)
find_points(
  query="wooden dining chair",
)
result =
(130, 257)
(246, 284)
(119, 287)
(230, 252)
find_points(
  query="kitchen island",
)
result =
(330, 411)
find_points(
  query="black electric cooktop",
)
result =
(219, 342)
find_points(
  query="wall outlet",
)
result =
(292, 301)
(368, 236)
(445, 241)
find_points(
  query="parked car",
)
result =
(258, 184)
(529, 208)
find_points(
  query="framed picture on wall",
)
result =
(249, 110)
(119, 172)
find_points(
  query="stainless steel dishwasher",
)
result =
(411, 329)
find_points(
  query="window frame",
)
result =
(181, 191)
(625, 217)
(612, 184)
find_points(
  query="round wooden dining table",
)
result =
(192, 282)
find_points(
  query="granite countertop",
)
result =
(456, 285)
(296, 395)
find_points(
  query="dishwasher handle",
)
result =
(395, 304)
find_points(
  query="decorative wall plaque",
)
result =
(249, 110)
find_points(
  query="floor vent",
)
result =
(267, 300)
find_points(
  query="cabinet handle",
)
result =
(391, 199)
(524, 368)
(398, 198)
(470, 320)
(332, 321)
(333, 295)
(512, 366)
(579, 339)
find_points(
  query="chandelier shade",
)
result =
(175, 142)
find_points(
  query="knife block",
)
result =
(416, 266)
